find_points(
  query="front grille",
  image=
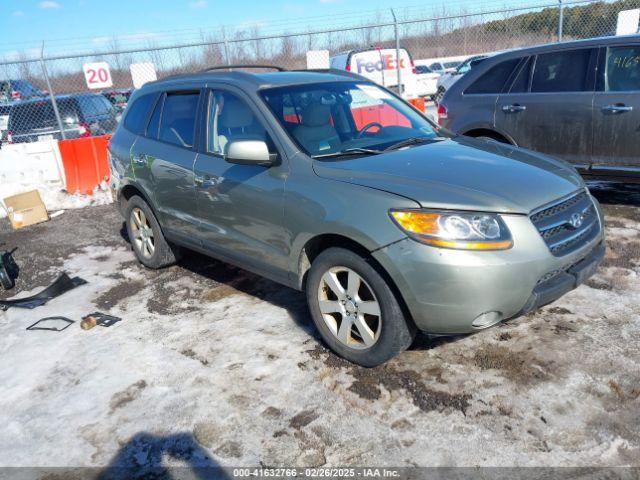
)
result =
(567, 225)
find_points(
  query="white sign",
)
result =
(628, 21)
(317, 59)
(4, 122)
(97, 75)
(142, 73)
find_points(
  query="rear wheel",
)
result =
(354, 309)
(147, 240)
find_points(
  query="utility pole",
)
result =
(398, 69)
(54, 104)
(560, 20)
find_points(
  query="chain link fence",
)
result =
(48, 97)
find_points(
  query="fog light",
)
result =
(486, 319)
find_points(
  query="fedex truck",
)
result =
(381, 66)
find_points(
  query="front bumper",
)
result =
(446, 290)
(564, 281)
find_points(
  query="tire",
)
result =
(5, 278)
(385, 335)
(147, 240)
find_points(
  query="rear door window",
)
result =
(564, 71)
(178, 118)
(622, 73)
(136, 118)
(494, 79)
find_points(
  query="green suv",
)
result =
(328, 183)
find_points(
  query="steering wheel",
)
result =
(367, 127)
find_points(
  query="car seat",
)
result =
(315, 132)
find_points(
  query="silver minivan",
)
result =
(579, 101)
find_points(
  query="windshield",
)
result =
(329, 118)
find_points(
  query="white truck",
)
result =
(380, 65)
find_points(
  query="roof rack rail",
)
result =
(231, 67)
(335, 71)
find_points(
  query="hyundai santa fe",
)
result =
(328, 183)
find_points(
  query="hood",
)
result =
(461, 173)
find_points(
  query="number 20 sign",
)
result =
(97, 75)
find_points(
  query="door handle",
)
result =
(140, 160)
(617, 108)
(513, 108)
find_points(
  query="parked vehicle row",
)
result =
(442, 64)
(329, 183)
(11, 90)
(82, 115)
(579, 101)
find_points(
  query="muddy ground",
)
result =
(211, 365)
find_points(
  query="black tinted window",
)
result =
(561, 71)
(521, 82)
(179, 118)
(623, 69)
(494, 79)
(136, 118)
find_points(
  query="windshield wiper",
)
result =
(348, 151)
(410, 141)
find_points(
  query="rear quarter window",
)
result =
(494, 79)
(136, 119)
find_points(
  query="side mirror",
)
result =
(250, 152)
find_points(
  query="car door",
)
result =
(548, 108)
(616, 108)
(163, 162)
(481, 95)
(240, 206)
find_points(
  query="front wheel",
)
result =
(355, 310)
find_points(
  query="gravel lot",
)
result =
(212, 366)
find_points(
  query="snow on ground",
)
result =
(212, 366)
(54, 197)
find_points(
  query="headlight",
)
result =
(459, 230)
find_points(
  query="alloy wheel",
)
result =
(142, 233)
(349, 308)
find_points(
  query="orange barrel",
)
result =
(85, 162)
(419, 103)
